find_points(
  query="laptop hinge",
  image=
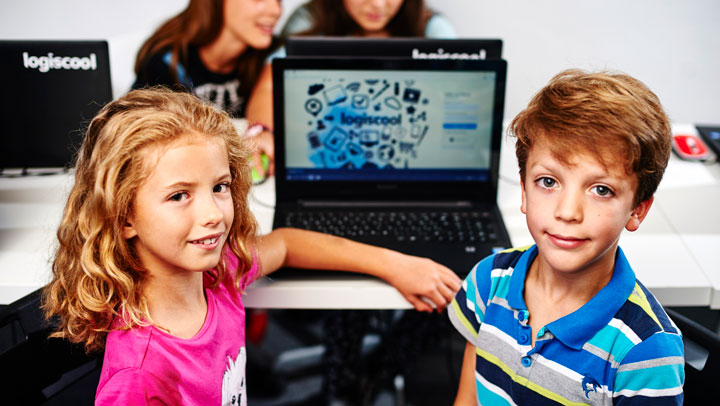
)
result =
(400, 204)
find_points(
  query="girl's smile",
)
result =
(209, 243)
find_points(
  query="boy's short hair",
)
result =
(606, 114)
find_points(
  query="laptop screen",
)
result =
(406, 126)
(52, 90)
(387, 121)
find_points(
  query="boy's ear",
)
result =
(638, 214)
(523, 205)
(128, 230)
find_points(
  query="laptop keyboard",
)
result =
(398, 226)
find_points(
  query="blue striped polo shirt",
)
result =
(618, 348)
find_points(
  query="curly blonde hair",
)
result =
(96, 275)
(609, 114)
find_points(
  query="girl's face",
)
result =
(251, 22)
(372, 15)
(183, 211)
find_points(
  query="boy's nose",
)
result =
(570, 207)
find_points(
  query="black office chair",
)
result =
(37, 370)
(702, 358)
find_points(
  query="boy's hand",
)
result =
(427, 285)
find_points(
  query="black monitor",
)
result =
(52, 90)
(378, 128)
(415, 48)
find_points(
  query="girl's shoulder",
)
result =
(300, 20)
(438, 26)
(158, 70)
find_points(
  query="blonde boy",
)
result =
(565, 321)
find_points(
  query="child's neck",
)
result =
(561, 287)
(177, 305)
(551, 295)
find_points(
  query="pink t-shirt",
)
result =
(145, 365)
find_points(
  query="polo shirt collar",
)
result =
(593, 315)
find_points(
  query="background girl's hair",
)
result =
(96, 275)
(198, 25)
(330, 18)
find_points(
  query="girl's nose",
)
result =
(210, 211)
(275, 8)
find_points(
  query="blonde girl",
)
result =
(157, 244)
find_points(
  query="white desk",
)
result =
(675, 253)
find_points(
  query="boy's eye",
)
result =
(177, 197)
(221, 188)
(546, 182)
(601, 190)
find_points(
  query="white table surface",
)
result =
(675, 253)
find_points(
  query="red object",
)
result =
(256, 321)
(689, 146)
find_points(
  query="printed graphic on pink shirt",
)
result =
(233, 387)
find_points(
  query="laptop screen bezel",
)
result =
(472, 191)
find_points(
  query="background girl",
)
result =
(215, 49)
(157, 244)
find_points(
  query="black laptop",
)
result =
(415, 48)
(51, 90)
(399, 153)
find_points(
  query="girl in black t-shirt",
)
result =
(214, 49)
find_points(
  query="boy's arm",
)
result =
(467, 395)
(414, 277)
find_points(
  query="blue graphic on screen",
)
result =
(389, 125)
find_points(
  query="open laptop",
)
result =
(52, 89)
(396, 143)
(415, 48)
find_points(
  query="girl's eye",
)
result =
(221, 188)
(601, 190)
(546, 182)
(180, 196)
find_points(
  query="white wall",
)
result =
(673, 46)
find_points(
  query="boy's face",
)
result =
(576, 212)
(183, 211)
